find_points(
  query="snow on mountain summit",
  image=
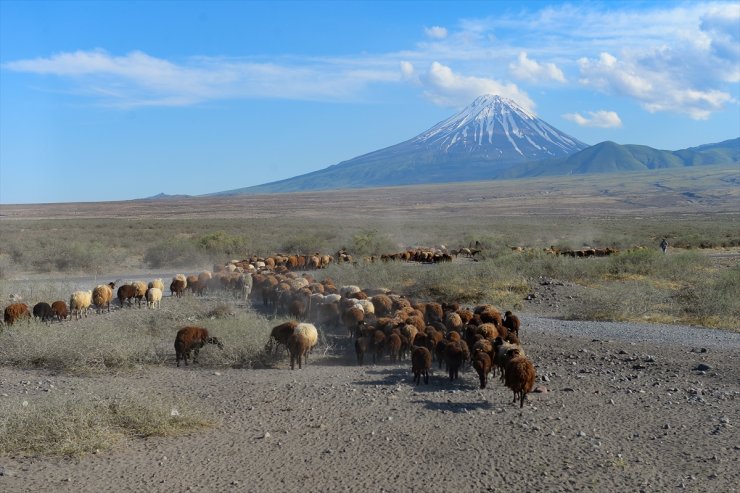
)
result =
(498, 128)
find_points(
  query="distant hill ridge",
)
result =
(493, 138)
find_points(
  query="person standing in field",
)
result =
(664, 245)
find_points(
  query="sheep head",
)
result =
(214, 340)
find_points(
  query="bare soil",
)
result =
(613, 414)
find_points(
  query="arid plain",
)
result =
(622, 405)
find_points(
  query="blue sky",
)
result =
(116, 100)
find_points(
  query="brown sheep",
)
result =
(520, 375)
(126, 292)
(351, 317)
(178, 285)
(511, 322)
(377, 344)
(298, 345)
(453, 321)
(454, 357)
(383, 305)
(192, 338)
(59, 310)
(362, 346)
(102, 296)
(15, 312)
(280, 335)
(393, 347)
(482, 365)
(421, 363)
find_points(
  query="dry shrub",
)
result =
(73, 425)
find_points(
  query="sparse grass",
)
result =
(77, 425)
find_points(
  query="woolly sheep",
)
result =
(42, 311)
(178, 285)
(280, 335)
(482, 365)
(393, 347)
(141, 288)
(59, 310)
(362, 346)
(511, 322)
(192, 338)
(15, 312)
(298, 346)
(520, 375)
(79, 303)
(454, 357)
(367, 306)
(153, 297)
(102, 296)
(345, 291)
(125, 293)
(421, 363)
(309, 330)
(156, 283)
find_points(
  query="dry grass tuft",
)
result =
(74, 426)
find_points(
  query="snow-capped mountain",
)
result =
(484, 141)
(498, 128)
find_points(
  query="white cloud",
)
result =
(447, 88)
(138, 79)
(436, 32)
(407, 69)
(655, 85)
(601, 119)
(528, 69)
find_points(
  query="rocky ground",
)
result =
(620, 407)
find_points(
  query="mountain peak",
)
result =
(500, 129)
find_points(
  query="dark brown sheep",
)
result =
(192, 338)
(280, 334)
(15, 312)
(42, 311)
(362, 346)
(511, 322)
(520, 375)
(298, 345)
(126, 293)
(421, 363)
(177, 287)
(482, 365)
(59, 310)
(393, 347)
(454, 357)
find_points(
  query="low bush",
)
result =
(77, 425)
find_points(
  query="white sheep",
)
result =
(346, 291)
(309, 330)
(367, 306)
(79, 303)
(157, 283)
(153, 297)
(141, 288)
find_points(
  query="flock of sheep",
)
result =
(381, 324)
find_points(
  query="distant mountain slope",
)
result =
(609, 157)
(490, 135)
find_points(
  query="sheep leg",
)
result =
(195, 355)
